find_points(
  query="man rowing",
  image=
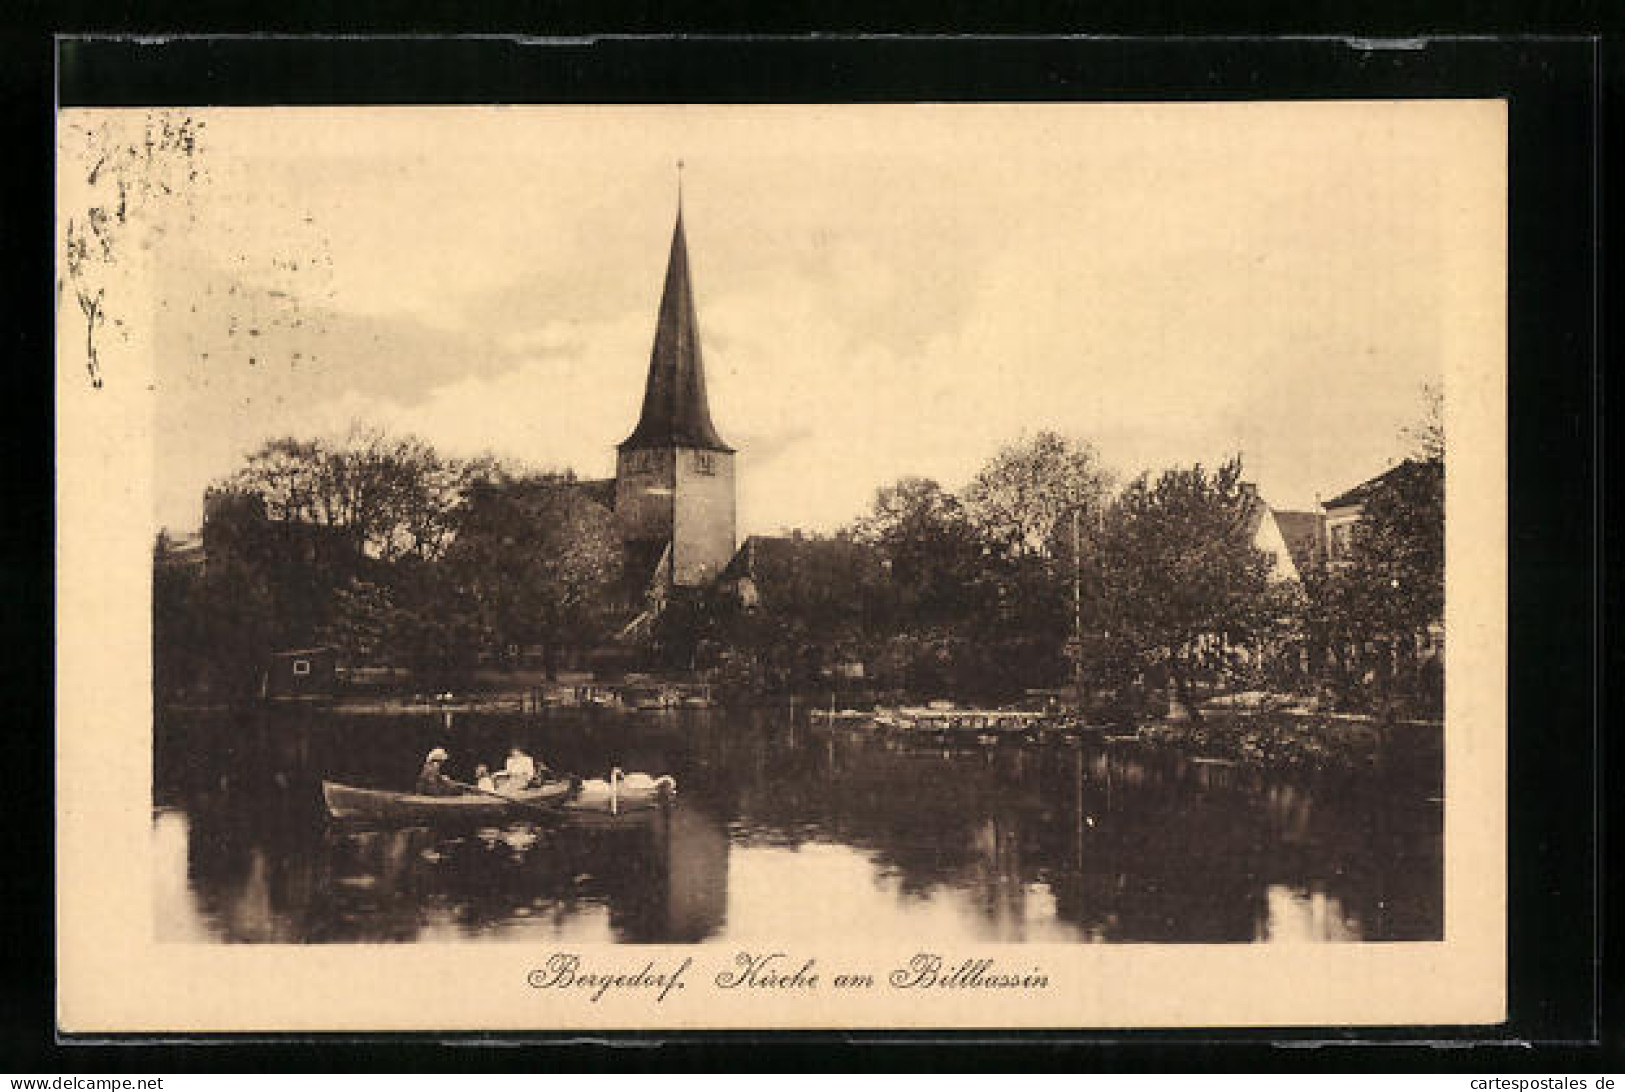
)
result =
(432, 781)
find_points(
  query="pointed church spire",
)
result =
(676, 412)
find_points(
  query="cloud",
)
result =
(898, 297)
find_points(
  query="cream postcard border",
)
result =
(113, 976)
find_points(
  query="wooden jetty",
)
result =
(647, 696)
(941, 719)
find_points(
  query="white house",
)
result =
(1291, 539)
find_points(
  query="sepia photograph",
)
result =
(823, 549)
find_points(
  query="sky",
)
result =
(882, 291)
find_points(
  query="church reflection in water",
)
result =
(788, 831)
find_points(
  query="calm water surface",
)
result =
(785, 831)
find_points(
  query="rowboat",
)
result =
(350, 802)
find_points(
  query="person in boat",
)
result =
(520, 768)
(431, 780)
(482, 778)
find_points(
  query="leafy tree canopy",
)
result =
(1180, 566)
(540, 560)
(1024, 494)
(394, 496)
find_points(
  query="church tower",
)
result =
(674, 477)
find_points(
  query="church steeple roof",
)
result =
(676, 412)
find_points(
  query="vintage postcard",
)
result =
(887, 566)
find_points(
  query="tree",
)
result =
(1397, 559)
(1181, 573)
(394, 496)
(1368, 613)
(932, 554)
(1399, 541)
(419, 620)
(815, 601)
(1391, 592)
(539, 561)
(962, 613)
(1426, 436)
(364, 623)
(1035, 503)
(237, 627)
(825, 586)
(1026, 492)
(177, 643)
(298, 565)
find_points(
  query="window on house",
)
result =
(301, 667)
(1340, 541)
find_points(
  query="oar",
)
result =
(510, 801)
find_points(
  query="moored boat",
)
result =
(351, 802)
(939, 718)
(833, 715)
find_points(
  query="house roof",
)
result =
(1362, 492)
(758, 551)
(1303, 532)
(775, 554)
(676, 412)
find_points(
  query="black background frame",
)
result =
(1554, 87)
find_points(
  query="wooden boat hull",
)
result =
(350, 802)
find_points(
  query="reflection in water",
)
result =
(1293, 915)
(176, 914)
(786, 831)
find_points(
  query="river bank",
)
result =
(1271, 739)
(1308, 741)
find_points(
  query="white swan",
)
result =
(642, 782)
(622, 788)
(597, 790)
